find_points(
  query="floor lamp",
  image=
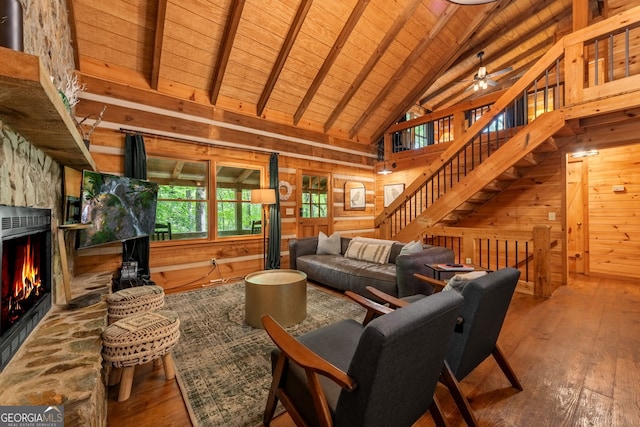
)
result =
(265, 197)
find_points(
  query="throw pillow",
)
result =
(457, 282)
(328, 245)
(411, 248)
(369, 250)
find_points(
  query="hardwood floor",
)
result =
(577, 355)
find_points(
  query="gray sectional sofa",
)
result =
(395, 277)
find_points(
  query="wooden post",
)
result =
(575, 73)
(468, 249)
(542, 260)
(66, 276)
(62, 247)
(385, 231)
(459, 125)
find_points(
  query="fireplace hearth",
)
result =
(25, 234)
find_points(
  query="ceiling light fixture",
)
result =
(587, 153)
(384, 171)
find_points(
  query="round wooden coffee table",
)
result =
(282, 294)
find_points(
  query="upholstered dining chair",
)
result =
(486, 301)
(349, 374)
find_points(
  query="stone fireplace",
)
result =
(25, 234)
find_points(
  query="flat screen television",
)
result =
(117, 208)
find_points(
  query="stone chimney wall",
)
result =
(28, 177)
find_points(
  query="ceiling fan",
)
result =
(482, 80)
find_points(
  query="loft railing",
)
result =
(603, 50)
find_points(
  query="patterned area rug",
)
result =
(222, 363)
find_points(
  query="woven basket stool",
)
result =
(139, 339)
(134, 300)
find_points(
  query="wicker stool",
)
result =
(134, 300)
(138, 339)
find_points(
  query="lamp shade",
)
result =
(264, 196)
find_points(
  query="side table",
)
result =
(466, 268)
(282, 294)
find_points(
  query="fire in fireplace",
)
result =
(26, 275)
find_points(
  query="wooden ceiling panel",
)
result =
(110, 39)
(137, 12)
(350, 68)
(176, 69)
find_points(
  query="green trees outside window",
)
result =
(182, 211)
(185, 208)
(236, 214)
(184, 203)
(315, 198)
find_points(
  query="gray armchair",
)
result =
(381, 374)
(486, 301)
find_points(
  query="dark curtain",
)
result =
(275, 227)
(135, 166)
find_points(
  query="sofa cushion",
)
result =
(348, 274)
(328, 245)
(413, 247)
(371, 250)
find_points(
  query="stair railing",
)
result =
(519, 105)
(600, 56)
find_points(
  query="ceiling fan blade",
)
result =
(491, 82)
(501, 72)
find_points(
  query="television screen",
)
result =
(118, 208)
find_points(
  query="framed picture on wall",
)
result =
(391, 192)
(355, 196)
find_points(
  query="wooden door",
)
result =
(576, 215)
(315, 213)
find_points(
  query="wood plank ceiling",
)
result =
(348, 68)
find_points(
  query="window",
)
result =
(183, 198)
(184, 201)
(314, 197)
(236, 214)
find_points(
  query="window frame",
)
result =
(262, 180)
(212, 232)
(207, 201)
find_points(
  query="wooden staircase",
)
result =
(492, 153)
(506, 165)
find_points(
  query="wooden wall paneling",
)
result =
(614, 223)
(526, 204)
(175, 263)
(149, 120)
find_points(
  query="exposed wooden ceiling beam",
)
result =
(74, 34)
(440, 66)
(535, 44)
(230, 30)
(244, 175)
(348, 28)
(157, 44)
(389, 37)
(525, 61)
(177, 169)
(406, 65)
(289, 40)
(527, 18)
(505, 45)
